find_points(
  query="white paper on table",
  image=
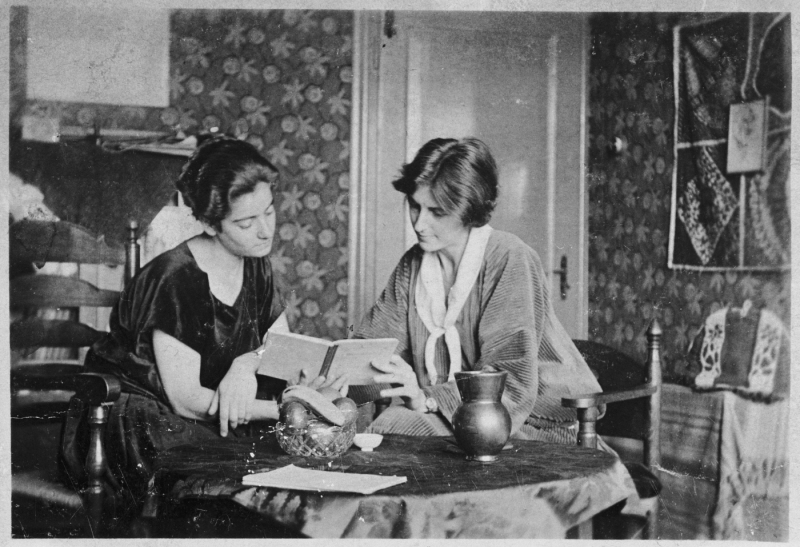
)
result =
(297, 478)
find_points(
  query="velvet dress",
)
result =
(171, 294)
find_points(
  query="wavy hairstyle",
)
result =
(220, 170)
(461, 175)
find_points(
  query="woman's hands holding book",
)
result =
(235, 396)
(335, 382)
(404, 382)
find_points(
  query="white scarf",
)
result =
(438, 318)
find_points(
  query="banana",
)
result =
(314, 401)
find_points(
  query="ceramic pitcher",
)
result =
(481, 423)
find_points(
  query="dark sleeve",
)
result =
(270, 300)
(176, 302)
(168, 295)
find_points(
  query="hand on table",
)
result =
(404, 382)
(236, 393)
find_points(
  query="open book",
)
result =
(286, 353)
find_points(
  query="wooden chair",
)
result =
(41, 389)
(632, 400)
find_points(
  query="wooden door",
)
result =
(514, 80)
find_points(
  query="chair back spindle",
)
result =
(632, 395)
(652, 444)
(96, 465)
(131, 252)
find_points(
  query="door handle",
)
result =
(563, 273)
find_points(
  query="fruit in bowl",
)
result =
(348, 408)
(294, 415)
(311, 424)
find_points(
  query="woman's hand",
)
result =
(337, 382)
(236, 393)
(404, 381)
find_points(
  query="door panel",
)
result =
(482, 84)
(514, 80)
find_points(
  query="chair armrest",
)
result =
(93, 388)
(96, 388)
(588, 400)
(44, 377)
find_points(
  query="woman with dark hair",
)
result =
(468, 297)
(183, 336)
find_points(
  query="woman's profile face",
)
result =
(436, 230)
(249, 228)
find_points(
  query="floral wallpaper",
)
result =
(631, 98)
(280, 79)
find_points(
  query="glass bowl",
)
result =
(317, 440)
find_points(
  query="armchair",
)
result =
(632, 400)
(41, 389)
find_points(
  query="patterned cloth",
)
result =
(690, 440)
(753, 498)
(743, 350)
(722, 220)
(725, 466)
(507, 323)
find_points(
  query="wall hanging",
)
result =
(732, 212)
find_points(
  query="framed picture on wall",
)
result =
(747, 136)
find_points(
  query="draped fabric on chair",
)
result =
(744, 350)
(744, 353)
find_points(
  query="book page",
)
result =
(285, 354)
(354, 357)
(297, 478)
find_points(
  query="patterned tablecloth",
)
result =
(535, 490)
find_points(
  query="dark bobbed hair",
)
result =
(461, 175)
(220, 170)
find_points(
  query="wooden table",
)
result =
(535, 489)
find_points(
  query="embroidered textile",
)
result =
(743, 350)
(720, 220)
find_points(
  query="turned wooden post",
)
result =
(96, 391)
(652, 453)
(652, 445)
(131, 252)
(587, 431)
(96, 465)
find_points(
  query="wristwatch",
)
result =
(431, 405)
